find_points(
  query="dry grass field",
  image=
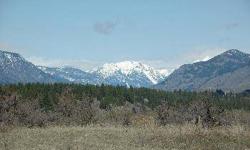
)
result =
(119, 138)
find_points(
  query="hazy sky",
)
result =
(86, 33)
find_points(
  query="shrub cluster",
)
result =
(67, 104)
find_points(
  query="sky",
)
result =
(88, 33)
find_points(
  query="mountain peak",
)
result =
(10, 53)
(10, 57)
(125, 67)
(131, 72)
(233, 52)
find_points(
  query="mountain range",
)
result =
(126, 73)
(15, 69)
(229, 71)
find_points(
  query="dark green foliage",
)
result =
(49, 94)
(46, 102)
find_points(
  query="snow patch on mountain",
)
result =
(203, 59)
(128, 68)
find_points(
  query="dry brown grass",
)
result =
(108, 138)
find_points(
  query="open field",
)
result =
(107, 138)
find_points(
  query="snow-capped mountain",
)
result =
(126, 73)
(130, 73)
(14, 69)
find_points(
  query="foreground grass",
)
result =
(110, 138)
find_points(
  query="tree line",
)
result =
(40, 104)
(49, 94)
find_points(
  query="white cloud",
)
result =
(200, 54)
(81, 64)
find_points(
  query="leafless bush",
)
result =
(13, 111)
(120, 114)
(8, 104)
(201, 112)
(163, 113)
(167, 114)
(206, 114)
(29, 114)
(77, 111)
(86, 110)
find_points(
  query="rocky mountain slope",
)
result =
(228, 71)
(14, 69)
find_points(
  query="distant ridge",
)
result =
(229, 71)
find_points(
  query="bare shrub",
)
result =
(85, 111)
(29, 114)
(8, 104)
(120, 114)
(14, 111)
(200, 112)
(167, 114)
(163, 113)
(79, 112)
(206, 114)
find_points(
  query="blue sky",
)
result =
(86, 33)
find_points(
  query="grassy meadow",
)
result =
(126, 138)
